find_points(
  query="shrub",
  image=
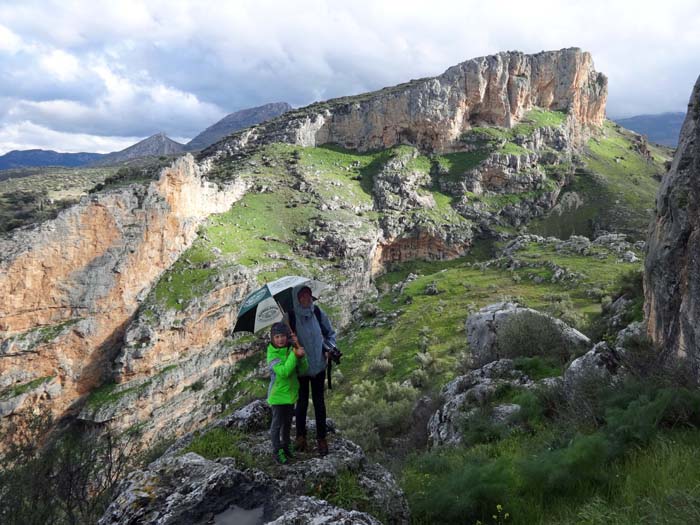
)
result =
(419, 378)
(478, 428)
(443, 489)
(529, 334)
(71, 479)
(381, 367)
(561, 307)
(374, 412)
(564, 471)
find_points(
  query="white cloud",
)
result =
(62, 66)
(135, 67)
(9, 42)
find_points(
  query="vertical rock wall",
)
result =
(672, 268)
(70, 286)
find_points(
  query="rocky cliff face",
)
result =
(432, 113)
(71, 285)
(672, 268)
(88, 302)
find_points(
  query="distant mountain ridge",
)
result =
(42, 157)
(663, 128)
(155, 145)
(237, 121)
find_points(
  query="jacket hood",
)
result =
(299, 310)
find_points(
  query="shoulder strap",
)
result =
(317, 313)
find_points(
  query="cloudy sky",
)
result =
(98, 76)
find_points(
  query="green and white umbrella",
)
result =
(266, 305)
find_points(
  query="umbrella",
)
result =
(267, 305)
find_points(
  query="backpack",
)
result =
(324, 334)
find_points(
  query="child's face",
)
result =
(279, 340)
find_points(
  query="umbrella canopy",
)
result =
(266, 305)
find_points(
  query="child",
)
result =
(284, 362)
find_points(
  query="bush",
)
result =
(381, 367)
(71, 479)
(443, 489)
(480, 428)
(529, 334)
(561, 307)
(374, 412)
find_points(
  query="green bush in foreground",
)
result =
(560, 472)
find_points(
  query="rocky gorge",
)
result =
(118, 313)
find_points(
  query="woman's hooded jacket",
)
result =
(310, 334)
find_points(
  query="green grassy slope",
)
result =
(614, 187)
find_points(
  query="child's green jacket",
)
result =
(284, 383)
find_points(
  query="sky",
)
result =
(100, 75)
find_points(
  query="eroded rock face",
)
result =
(432, 113)
(71, 285)
(186, 488)
(672, 266)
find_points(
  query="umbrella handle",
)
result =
(286, 321)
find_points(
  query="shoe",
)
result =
(281, 457)
(288, 451)
(323, 447)
(300, 444)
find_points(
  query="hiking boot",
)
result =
(281, 457)
(300, 444)
(323, 447)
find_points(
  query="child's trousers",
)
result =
(281, 425)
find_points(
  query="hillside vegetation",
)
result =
(318, 212)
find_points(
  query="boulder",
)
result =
(482, 330)
(469, 392)
(601, 364)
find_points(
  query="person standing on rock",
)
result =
(284, 362)
(312, 330)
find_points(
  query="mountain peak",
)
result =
(155, 145)
(237, 121)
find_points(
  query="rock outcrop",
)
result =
(183, 487)
(483, 326)
(672, 267)
(432, 113)
(71, 285)
(463, 396)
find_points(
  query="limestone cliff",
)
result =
(672, 268)
(123, 291)
(432, 113)
(71, 285)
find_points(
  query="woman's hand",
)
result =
(299, 352)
